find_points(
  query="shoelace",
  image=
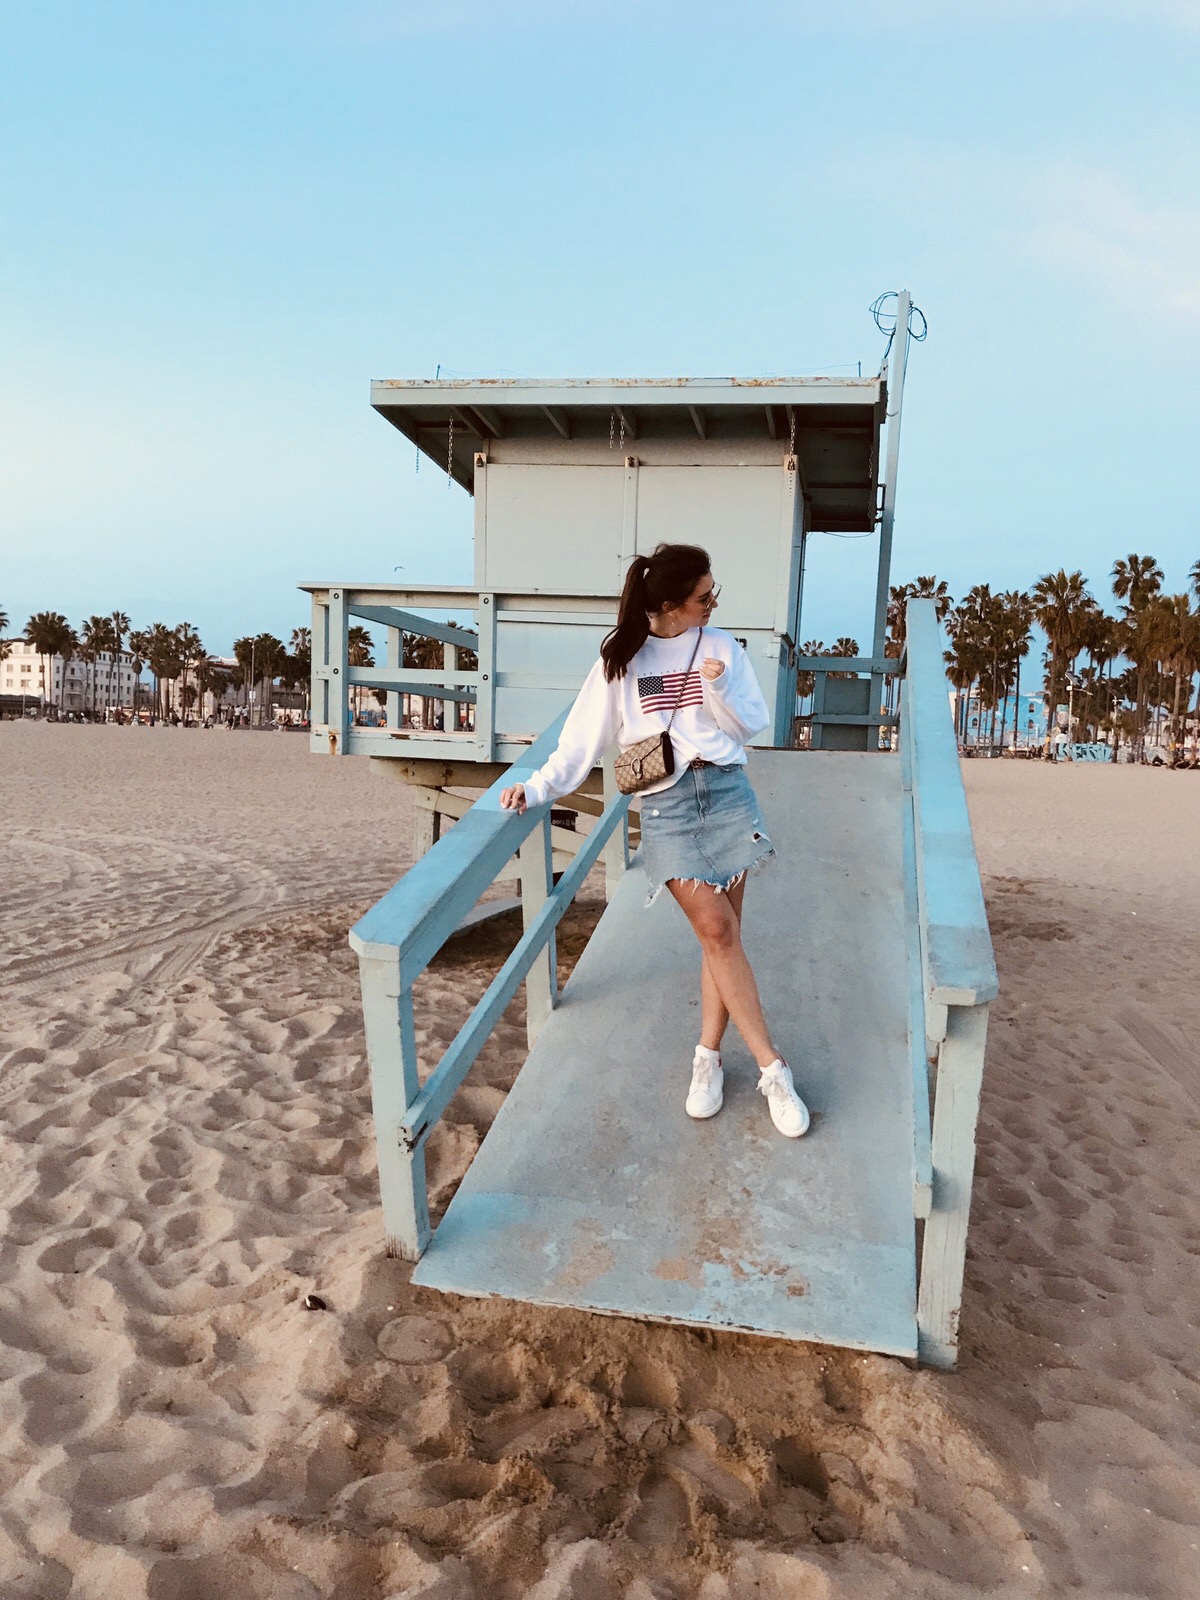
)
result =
(774, 1086)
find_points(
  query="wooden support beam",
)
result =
(491, 422)
(771, 428)
(699, 421)
(537, 881)
(944, 1247)
(559, 420)
(395, 1084)
(627, 420)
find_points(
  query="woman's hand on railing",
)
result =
(513, 799)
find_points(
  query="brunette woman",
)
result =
(702, 830)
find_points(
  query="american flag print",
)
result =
(660, 693)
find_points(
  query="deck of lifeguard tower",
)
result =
(595, 1190)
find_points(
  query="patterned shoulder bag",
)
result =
(651, 760)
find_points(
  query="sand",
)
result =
(187, 1155)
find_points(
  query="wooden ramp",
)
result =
(593, 1189)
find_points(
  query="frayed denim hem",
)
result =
(713, 883)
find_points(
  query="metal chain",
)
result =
(418, 453)
(450, 456)
(622, 445)
(612, 428)
(792, 434)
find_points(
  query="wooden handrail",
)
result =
(419, 913)
(959, 966)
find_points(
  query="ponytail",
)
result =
(665, 578)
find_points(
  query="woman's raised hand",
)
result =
(513, 799)
(711, 667)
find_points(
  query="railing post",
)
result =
(338, 658)
(318, 683)
(395, 1083)
(944, 1248)
(616, 848)
(449, 707)
(485, 694)
(818, 710)
(537, 881)
(395, 658)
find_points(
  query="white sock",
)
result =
(708, 1055)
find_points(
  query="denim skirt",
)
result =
(706, 828)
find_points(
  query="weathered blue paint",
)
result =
(594, 1190)
(956, 945)
(957, 976)
(442, 1083)
(419, 913)
(398, 937)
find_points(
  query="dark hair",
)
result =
(665, 578)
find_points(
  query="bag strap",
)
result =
(683, 685)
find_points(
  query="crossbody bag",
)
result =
(651, 760)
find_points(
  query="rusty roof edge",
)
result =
(538, 386)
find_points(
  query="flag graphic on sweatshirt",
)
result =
(660, 692)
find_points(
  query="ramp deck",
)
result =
(594, 1190)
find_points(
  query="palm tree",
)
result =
(51, 635)
(1135, 578)
(163, 659)
(971, 626)
(1013, 622)
(361, 653)
(1175, 632)
(96, 637)
(5, 644)
(300, 669)
(139, 649)
(120, 625)
(211, 678)
(845, 646)
(1060, 602)
(931, 588)
(190, 651)
(806, 682)
(270, 654)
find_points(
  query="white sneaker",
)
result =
(707, 1091)
(788, 1111)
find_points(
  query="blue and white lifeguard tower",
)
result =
(869, 935)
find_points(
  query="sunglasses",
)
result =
(710, 599)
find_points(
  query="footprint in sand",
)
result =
(414, 1339)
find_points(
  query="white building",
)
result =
(72, 685)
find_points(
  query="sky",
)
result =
(221, 221)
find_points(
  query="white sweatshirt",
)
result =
(715, 720)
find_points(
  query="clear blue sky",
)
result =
(222, 220)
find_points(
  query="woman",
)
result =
(701, 826)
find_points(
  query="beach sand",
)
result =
(187, 1154)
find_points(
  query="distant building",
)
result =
(975, 725)
(74, 684)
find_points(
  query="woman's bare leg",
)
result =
(714, 1015)
(715, 923)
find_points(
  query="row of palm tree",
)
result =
(181, 667)
(1120, 672)
(182, 670)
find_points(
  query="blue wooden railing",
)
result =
(952, 979)
(402, 933)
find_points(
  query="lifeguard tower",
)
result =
(869, 937)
